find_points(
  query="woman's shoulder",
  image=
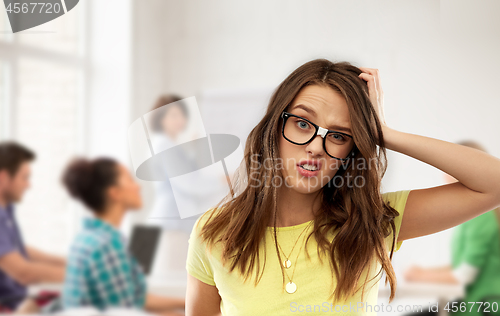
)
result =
(203, 219)
(195, 237)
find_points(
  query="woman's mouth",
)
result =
(309, 168)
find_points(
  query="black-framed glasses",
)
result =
(301, 131)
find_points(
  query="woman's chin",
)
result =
(305, 186)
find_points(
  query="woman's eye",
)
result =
(337, 137)
(302, 124)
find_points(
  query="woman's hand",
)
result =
(431, 275)
(372, 77)
(414, 273)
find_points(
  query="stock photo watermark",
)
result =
(26, 14)
(314, 174)
(327, 307)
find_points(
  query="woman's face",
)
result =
(174, 121)
(327, 108)
(126, 191)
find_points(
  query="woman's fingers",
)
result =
(375, 73)
(372, 77)
(372, 86)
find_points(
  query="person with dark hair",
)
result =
(175, 121)
(20, 265)
(101, 271)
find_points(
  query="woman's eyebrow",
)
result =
(311, 111)
(305, 108)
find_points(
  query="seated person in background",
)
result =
(101, 272)
(20, 265)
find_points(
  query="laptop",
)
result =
(143, 244)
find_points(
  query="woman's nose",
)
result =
(316, 145)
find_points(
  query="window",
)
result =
(42, 85)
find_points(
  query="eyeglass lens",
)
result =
(300, 131)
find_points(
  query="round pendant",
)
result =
(287, 263)
(291, 287)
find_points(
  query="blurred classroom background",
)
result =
(74, 85)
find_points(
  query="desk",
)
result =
(442, 293)
(37, 288)
(176, 287)
(173, 285)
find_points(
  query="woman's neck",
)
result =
(172, 136)
(295, 208)
(113, 215)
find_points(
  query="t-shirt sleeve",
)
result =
(479, 236)
(6, 244)
(198, 262)
(397, 200)
(465, 273)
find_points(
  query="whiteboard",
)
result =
(234, 111)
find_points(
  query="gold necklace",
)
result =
(292, 287)
(287, 263)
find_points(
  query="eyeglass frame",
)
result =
(323, 132)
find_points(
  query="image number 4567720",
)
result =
(24, 15)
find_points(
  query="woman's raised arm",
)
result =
(435, 209)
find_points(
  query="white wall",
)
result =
(110, 41)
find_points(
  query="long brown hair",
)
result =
(358, 214)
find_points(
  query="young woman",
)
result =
(101, 272)
(308, 229)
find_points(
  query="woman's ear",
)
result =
(113, 193)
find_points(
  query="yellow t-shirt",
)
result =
(313, 279)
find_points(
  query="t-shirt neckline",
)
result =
(293, 227)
